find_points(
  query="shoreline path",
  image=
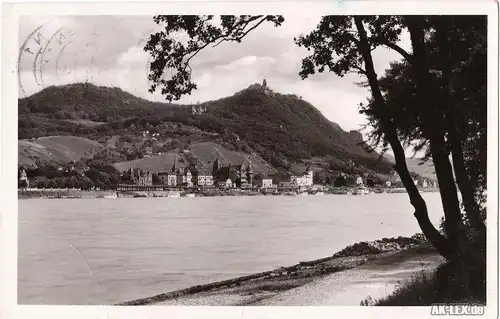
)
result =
(375, 276)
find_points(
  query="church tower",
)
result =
(249, 174)
(216, 168)
(173, 167)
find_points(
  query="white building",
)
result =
(24, 177)
(172, 180)
(267, 182)
(205, 180)
(209, 180)
(359, 180)
(305, 180)
(188, 179)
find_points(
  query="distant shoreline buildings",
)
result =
(242, 176)
(222, 176)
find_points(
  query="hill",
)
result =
(59, 149)
(282, 129)
(426, 169)
(202, 155)
(285, 126)
(86, 101)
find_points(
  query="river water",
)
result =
(105, 251)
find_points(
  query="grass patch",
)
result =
(456, 282)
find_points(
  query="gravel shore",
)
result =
(336, 281)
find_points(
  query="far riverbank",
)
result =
(77, 193)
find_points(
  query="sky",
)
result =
(107, 50)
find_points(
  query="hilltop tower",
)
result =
(266, 88)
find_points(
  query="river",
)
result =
(105, 251)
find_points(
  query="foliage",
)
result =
(22, 183)
(358, 249)
(340, 181)
(466, 36)
(84, 174)
(451, 283)
(170, 53)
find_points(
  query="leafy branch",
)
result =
(170, 52)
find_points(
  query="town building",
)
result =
(285, 179)
(287, 184)
(204, 178)
(24, 177)
(209, 180)
(305, 180)
(240, 175)
(172, 180)
(225, 184)
(198, 109)
(188, 179)
(141, 177)
(264, 182)
(163, 177)
(185, 177)
(359, 180)
(281, 176)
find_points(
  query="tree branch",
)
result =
(408, 57)
(238, 38)
(360, 70)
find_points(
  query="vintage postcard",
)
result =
(250, 159)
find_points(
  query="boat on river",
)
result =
(361, 191)
(174, 194)
(112, 195)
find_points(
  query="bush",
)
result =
(462, 280)
(453, 282)
(358, 249)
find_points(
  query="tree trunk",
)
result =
(434, 130)
(472, 209)
(421, 214)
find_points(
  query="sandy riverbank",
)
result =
(348, 277)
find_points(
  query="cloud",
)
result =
(134, 57)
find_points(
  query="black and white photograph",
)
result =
(247, 160)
